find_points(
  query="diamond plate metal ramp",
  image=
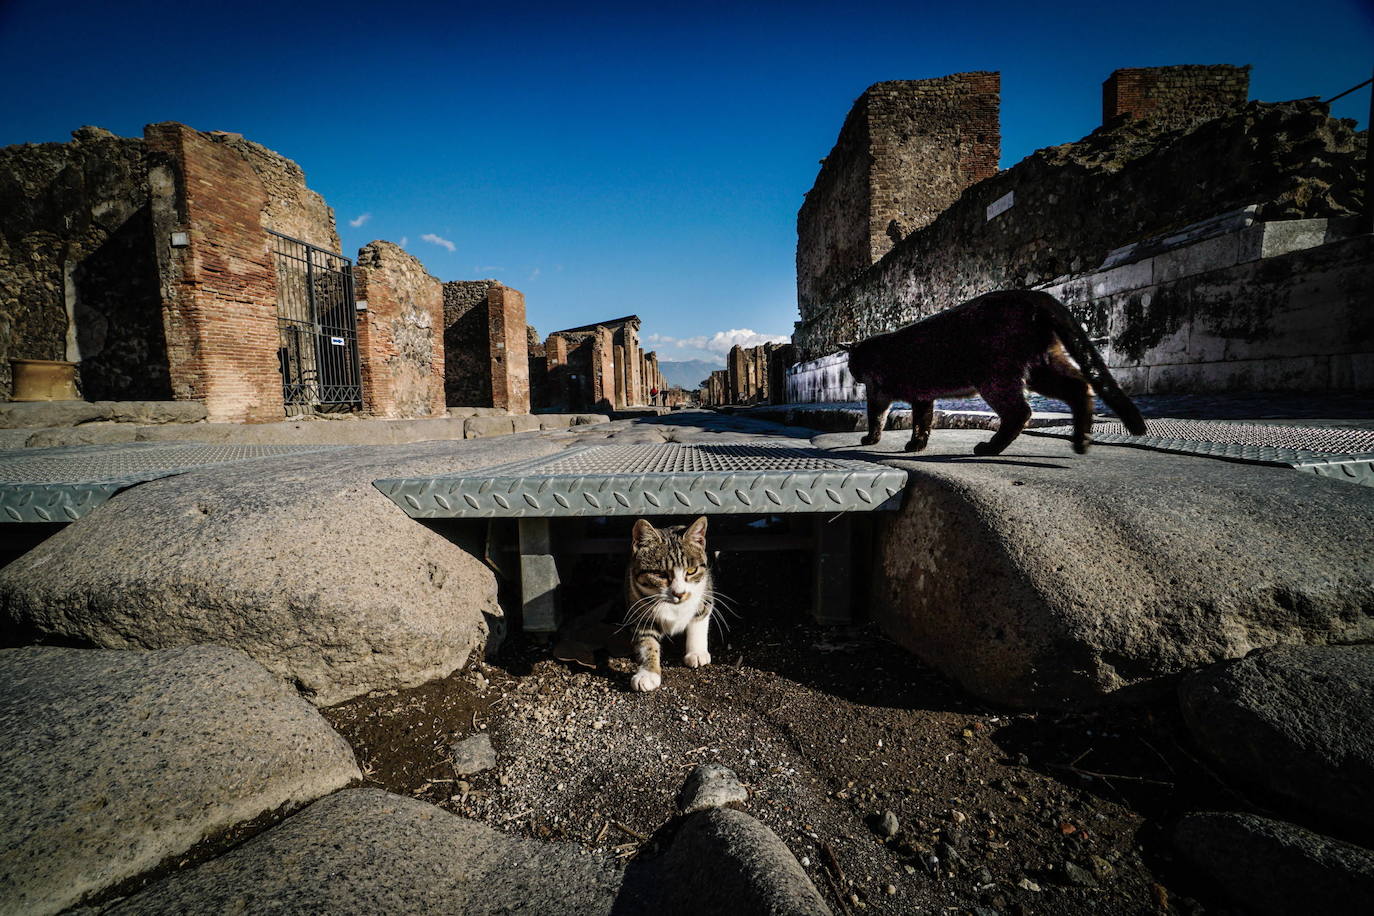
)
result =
(752, 478)
(63, 484)
(1337, 452)
(671, 479)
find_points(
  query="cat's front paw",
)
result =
(644, 681)
(697, 659)
(870, 439)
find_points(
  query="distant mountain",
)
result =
(688, 373)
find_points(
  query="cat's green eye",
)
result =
(691, 570)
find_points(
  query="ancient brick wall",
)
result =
(1181, 95)
(219, 292)
(907, 150)
(400, 336)
(1071, 205)
(78, 275)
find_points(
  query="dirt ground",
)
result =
(829, 728)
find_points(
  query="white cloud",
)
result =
(355, 223)
(405, 240)
(437, 240)
(714, 345)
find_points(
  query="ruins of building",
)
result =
(600, 367)
(198, 266)
(1208, 243)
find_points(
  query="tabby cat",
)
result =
(997, 345)
(667, 591)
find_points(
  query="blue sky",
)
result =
(609, 159)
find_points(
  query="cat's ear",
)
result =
(696, 533)
(644, 535)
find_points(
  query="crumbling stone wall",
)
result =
(467, 379)
(78, 277)
(538, 369)
(487, 362)
(400, 338)
(751, 373)
(292, 208)
(907, 150)
(1181, 95)
(1073, 204)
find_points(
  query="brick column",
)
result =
(556, 354)
(509, 355)
(220, 291)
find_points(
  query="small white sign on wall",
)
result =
(1001, 204)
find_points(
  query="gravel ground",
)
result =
(830, 729)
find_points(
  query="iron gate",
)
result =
(317, 320)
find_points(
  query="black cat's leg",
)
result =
(647, 653)
(922, 418)
(1063, 383)
(1014, 412)
(878, 405)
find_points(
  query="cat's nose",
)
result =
(678, 596)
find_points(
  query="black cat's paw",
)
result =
(1081, 447)
(916, 445)
(986, 448)
(870, 439)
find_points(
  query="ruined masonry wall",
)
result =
(400, 334)
(467, 383)
(1183, 94)
(1074, 204)
(78, 276)
(907, 150)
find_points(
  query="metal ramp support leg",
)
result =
(538, 577)
(834, 561)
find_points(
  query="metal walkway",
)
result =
(654, 480)
(63, 484)
(1338, 452)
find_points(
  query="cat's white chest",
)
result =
(673, 618)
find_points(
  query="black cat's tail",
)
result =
(1076, 341)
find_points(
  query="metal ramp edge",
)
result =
(668, 479)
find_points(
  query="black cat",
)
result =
(997, 345)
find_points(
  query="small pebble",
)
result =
(891, 890)
(888, 825)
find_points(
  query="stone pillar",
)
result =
(219, 290)
(400, 342)
(634, 369)
(620, 396)
(602, 345)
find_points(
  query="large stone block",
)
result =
(1044, 578)
(1294, 721)
(1277, 869)
(112, 761)
(366, 851)
(298, 561)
